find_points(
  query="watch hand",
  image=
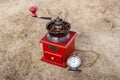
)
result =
(74, 60)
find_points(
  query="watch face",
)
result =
(73, 61)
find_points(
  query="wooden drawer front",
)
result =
(53, 57)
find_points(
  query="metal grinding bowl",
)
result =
(58, 30)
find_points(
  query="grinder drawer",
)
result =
(53, 57)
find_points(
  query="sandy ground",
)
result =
(96, 21)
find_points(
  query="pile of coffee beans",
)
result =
(62, 28)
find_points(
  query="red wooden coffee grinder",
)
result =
(59, 42)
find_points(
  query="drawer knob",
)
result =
(52, 58)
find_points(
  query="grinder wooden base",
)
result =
(57, 53)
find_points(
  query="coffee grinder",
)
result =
(59, 43)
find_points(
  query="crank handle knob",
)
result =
(33, 10)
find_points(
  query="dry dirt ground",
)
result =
(96, 21)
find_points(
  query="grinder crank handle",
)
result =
(33, 10)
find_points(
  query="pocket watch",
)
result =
(74, 62)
